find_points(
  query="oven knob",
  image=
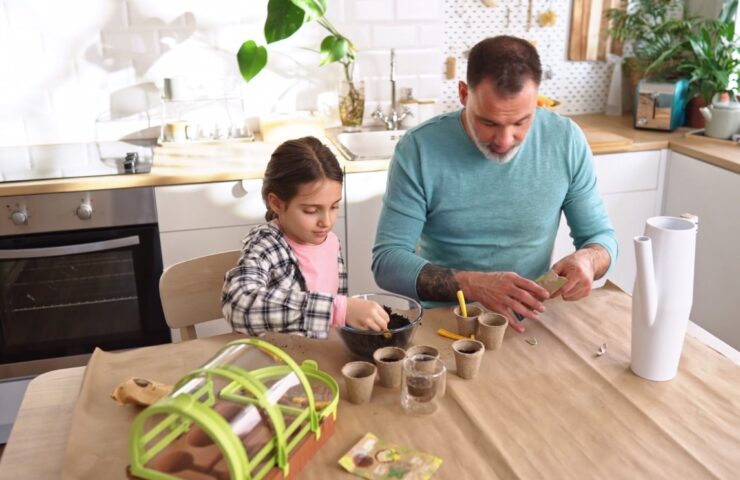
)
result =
(84, 211)
(19, 217)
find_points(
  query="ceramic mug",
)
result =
(179, 131)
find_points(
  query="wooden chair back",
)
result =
(190, 291)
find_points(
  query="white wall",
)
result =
(66, 64)
(67, 67)
(581, 87)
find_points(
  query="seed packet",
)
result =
(377, 459)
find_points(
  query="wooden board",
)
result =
(588, 26)
(602, 141)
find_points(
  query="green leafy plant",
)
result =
(286, 17)
(710, 56)
(648, 27)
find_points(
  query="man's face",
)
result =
(498, 124)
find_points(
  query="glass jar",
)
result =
(351, 104)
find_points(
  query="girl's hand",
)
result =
(366, 315)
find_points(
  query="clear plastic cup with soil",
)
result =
(422, 386)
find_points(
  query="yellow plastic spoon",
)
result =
(461, 300)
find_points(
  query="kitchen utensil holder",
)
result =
(226, 421)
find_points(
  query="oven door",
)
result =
(64, 294)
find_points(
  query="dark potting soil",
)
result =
(364, 345)
(396, 320)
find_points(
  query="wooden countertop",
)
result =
(218, 162)
(557, 397)
(721, 153)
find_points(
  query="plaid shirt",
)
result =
(267, 291)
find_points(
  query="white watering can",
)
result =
(663, 294)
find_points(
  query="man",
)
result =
(474, 197)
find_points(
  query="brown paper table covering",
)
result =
(554, 410)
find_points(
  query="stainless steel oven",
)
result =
(77, 271)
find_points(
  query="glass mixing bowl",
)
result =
(363, 343)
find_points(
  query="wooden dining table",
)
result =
(545, 404)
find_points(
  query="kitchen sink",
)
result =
(366, 144)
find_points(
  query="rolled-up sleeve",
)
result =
(395, 265)
(583, 206)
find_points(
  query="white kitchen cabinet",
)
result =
(364, 199)
(631, 185)
(197, 220)
(713, 194)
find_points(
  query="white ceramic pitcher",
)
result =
(663, 294)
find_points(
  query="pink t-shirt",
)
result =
(320, 269)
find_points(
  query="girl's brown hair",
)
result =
(294, 163)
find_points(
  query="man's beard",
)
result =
(493, 156)
(486, 150)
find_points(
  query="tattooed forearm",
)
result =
(436, 283)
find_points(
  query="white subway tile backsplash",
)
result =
(129, 101)
(359, 35)
(23, 42)
(336, 11)
(370, 10)
(418, 9)
(116, 43)
(394, 36)
(122, 76)
(13, 132)
(373, 63)
(214, 13)
(158, 14)
(63, 65)
(419, 62)
(248, 13)
(430, 86)
(14, 159)
(144, 42)
(431, 35)
(59, 156)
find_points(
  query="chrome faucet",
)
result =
(393, 119)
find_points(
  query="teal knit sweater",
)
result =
(447, 204)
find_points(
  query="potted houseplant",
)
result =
(649, 28)
(286, 17)
(710, 58)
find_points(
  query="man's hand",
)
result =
(366, 315)
(506, 293)
(581, 268)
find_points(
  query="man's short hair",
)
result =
(508, 62)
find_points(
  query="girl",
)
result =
(291, 276)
